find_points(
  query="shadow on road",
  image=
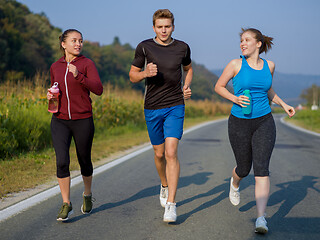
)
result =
(223, 189)
(289, 195)
(198, 179)
(201, 140)
(290, 146)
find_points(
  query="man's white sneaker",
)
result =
(261, 225)
(234, 194)
(170, 212)
(163, 195)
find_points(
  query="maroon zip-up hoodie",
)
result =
(75, 101)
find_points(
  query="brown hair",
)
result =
(64, 36)
(162, 13)
(265, 40)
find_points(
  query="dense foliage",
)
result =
(25, 121)
(29, 44)
(27, 41)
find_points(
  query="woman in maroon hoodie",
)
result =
(76, 76)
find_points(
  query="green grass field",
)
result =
(27, 158)
(307, 119)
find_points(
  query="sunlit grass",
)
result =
(27, 158)
(307, 119)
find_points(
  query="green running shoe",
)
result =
(86, 207)
(65, 212)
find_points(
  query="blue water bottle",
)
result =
(247, 109)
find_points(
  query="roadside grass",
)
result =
(27, 157)
(31, 169)
(307, 119)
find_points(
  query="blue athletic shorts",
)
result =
(163, 123)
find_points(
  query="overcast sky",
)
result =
(210, 27)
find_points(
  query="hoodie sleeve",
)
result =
(91, 79)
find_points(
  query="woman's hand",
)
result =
(49, 95)
(242, 100)
(73, 69)
(289, 110)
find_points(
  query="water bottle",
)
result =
(54, 101)
(247, 109)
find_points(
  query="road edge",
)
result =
(52, 191)
(298, 128)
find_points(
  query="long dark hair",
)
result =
(64, 35)
(265, 40)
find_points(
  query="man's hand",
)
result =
(186, 92)
(151, 70)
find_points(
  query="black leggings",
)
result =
(252, 142)
(82, 131)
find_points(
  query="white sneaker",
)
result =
(261, 225)
(234, 194)
(163, 195)
(170, 212)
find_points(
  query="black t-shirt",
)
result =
(165, 89)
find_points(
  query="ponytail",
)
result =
(266, 42)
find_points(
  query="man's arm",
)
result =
(187, 81)
(136, 75)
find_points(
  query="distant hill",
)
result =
(203, 83)
(289, 86)
(113, 62)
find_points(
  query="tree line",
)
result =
(29, 44)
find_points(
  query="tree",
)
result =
(26, 40)
(311, 95)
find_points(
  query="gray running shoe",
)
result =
(65, 212)
(86, 207)
(261, 225)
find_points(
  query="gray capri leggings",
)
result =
(252, 142)
(82, 131)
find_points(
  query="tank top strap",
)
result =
(244, 61)
(265, 65)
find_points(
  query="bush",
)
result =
(25, 121)
(24, 126)
(111, 111)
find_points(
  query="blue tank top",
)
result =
(258, 82)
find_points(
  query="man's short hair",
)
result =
(163, 13)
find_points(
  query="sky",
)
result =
(210, 27)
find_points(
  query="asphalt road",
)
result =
(127, 196)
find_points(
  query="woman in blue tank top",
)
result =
(251, 127)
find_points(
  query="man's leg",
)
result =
(172, 166)
(160, 162)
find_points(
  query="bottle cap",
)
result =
(54, 88)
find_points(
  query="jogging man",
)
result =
(160, 61)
